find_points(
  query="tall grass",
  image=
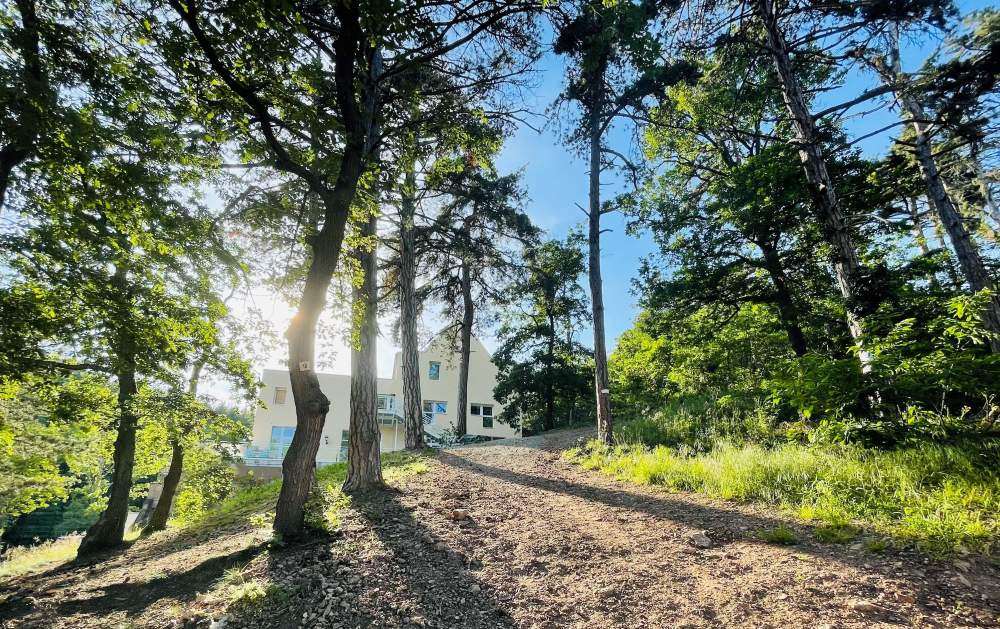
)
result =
(697, 423)
(23, 559)
(939, 497)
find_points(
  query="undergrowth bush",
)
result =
(697, 423)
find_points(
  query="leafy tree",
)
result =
(189, 423)
(542, 369)
(729, 210)
(48, 436)
(467, 253)
(109, 256)
(27, 98)
(432, 135)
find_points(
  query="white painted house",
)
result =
(274, 422)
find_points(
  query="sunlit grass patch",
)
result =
(23, 559)
(939, 497)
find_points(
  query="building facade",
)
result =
(274, 422)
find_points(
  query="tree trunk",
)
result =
(364, 462)
(109, 530)
(158, 521)
(412, 409)
(969, 259)
(33, 97)
(601, 380)
(846, 263)
(311, 405)
(550, 404)
(171, 481)
(783, 299)
(468, 318)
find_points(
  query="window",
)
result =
(434, 371)
(280, 393)
(433, 408)
(486, 412)
(386, 401)
(345, 439)
(281, 436)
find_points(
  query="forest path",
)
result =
(502, 536)
(559, 546)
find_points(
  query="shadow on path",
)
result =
(729, 525)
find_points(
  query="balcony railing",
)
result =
(266, 457)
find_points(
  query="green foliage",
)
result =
(49, 441)
(208, 479)
(705, 354)
(543, 373)
(697, 424)
(931, 378)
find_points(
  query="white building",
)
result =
(274, 422)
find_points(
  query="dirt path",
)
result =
(564, 547)
(542, 544)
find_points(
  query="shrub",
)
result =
(930, 379)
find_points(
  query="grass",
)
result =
(253, 505)
(941, 498)
(24, 559)
(781, 535)
(836, 533)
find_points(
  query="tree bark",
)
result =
(966, 250)
(846, 263)
(468, 318)
(109, 530)
(410, 356)
(601, 379)
(364, 462)
(158, 521)
(787, 311)
(549, 421)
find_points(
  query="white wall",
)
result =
(482, 379)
